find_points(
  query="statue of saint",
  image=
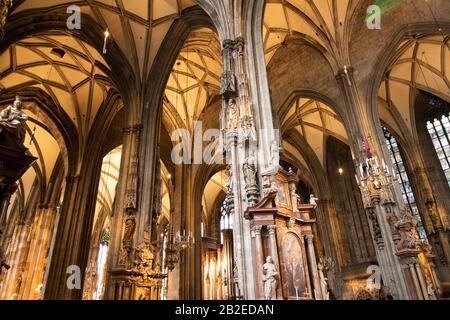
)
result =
(275, 153)
(130, 226)
(11, 124)
(313, 200)
(323, 282)
(250, 170)
(233, 115)
(270, 279)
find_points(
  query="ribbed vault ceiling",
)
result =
(315, 121)
(137, 26)
(320, 21)
(195, 78)
(78, 81)
(421, 64)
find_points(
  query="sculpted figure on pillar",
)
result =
(12, 131)
(233, 115)
(270, 279)
(228, 84)
(313, 200)
(250, 170)
(130, 225)
(275, 153)
(323, 282)
(406, 226)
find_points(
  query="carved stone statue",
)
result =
(313, 200)
(228, 84)
(130, 226)
(12, 131)
(270, 279)
(323, 282)
(406, 226)
(233, 115)
(275, 153)
(250, 170)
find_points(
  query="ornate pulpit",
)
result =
(14, 160)
(282, 230)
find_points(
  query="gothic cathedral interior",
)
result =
(224, 149)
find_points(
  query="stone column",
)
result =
(127, 225)
(415, 280)
(68, 243)
(259, 260)
(422, 282)
(381, 192)
(273, 251)
(313, 267)
(228, 262)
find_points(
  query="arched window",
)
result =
(101, 264)
(226, 219)
(439, 130)
(400, 170)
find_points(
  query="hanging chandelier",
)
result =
(5, 5)
(176, 245)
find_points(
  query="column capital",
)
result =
(309, 238)
(272, 229)
(256, 230)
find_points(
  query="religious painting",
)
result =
(281, 198)
(293, 267)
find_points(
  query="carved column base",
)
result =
(252, 195)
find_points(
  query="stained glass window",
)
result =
(226, 219)
(400, 170)
(101, 264)
(439, 130)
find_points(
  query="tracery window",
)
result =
(101, 264)
(439, 130)
(226, 219)
(400, 170)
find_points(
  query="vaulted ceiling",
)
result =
(70, 71)
(422, 63)
(137, 26)
(322, 22)
(315, 121)
(195, 78)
